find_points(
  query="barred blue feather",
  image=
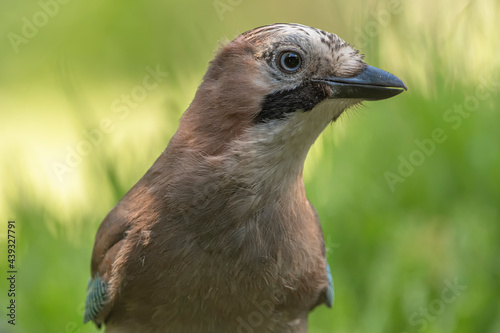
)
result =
(330, 296)
(96, 297)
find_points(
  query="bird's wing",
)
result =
(96, 298)
(330, 295)
(108, 241)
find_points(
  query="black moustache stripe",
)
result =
(303, 98)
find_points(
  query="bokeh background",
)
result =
(411, 219)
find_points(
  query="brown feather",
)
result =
(219, 235)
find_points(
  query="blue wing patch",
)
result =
(330, 296)
(96, 296)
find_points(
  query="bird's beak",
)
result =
(371, 85)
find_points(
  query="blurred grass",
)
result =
(391, 253)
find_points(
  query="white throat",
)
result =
(272, 154)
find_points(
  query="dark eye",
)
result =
(290, 62)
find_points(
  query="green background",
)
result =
(395, 247)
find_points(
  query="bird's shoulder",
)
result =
(108, 242)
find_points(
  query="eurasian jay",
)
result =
(218, 235)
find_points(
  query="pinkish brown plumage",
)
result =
(218, 235)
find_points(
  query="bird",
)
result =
(218, 235)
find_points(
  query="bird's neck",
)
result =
(248, 200)
(254, 184)
(270, 156)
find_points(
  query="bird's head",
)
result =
(270, 92)
(306, 66)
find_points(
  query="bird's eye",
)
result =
(290, 62)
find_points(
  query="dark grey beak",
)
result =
(372, 84)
